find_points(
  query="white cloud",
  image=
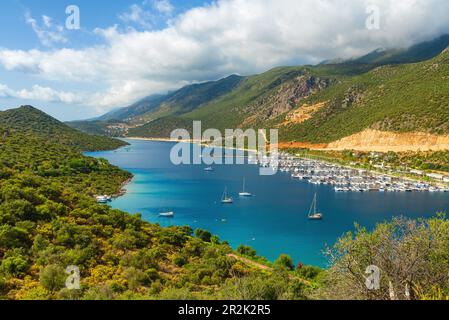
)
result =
(40, 94)
(137, 15)
(47, 32)
(163, 6)
(232, 36)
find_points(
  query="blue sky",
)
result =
(17, 34)
(128, 49)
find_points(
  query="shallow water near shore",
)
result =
(273, 221)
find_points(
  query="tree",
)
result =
(52, 278)
(203, 235)
(285, 261)
(246, 251)
(14, 264)
(308, 272)
(412, 257)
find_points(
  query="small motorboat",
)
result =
(102, 199)
(169, 214)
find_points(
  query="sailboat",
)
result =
(313, 214)
(226, 199)
(244, 193)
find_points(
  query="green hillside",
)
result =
(92, 127)
(257, 100)
(176, 102)
(32, 120)
(49, 220)
(134, 110)
(403, 98)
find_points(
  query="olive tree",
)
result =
(411, 256)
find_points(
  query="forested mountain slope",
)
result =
(32, 120)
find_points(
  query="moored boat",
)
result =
(245, 193)
(169, 214)
(226, 199)
(313, 213)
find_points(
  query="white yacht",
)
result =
(313, 214)
(226, 199)
(245, 193)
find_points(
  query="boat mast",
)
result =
(313, 207)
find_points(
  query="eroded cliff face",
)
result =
(383, 141)
(302, 114)
(287, 97)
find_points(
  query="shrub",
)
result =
(52, 278)
(285, 261)
(206, 236)
(246, 251)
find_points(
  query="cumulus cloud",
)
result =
(147, 14)
(230, 36)
(40, 94)
(163, 6)
(48, 32)
(138, 15)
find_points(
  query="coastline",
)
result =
(200, 142)
(122, 188)
(123, 191)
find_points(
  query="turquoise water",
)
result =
(274, 221)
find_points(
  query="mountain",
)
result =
(416, 53)
(394, 98)
(30, 119)
(257, 100)
(177, 102)
(397, 90)
(134, 110)
(323, 104)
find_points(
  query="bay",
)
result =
(273, 221)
